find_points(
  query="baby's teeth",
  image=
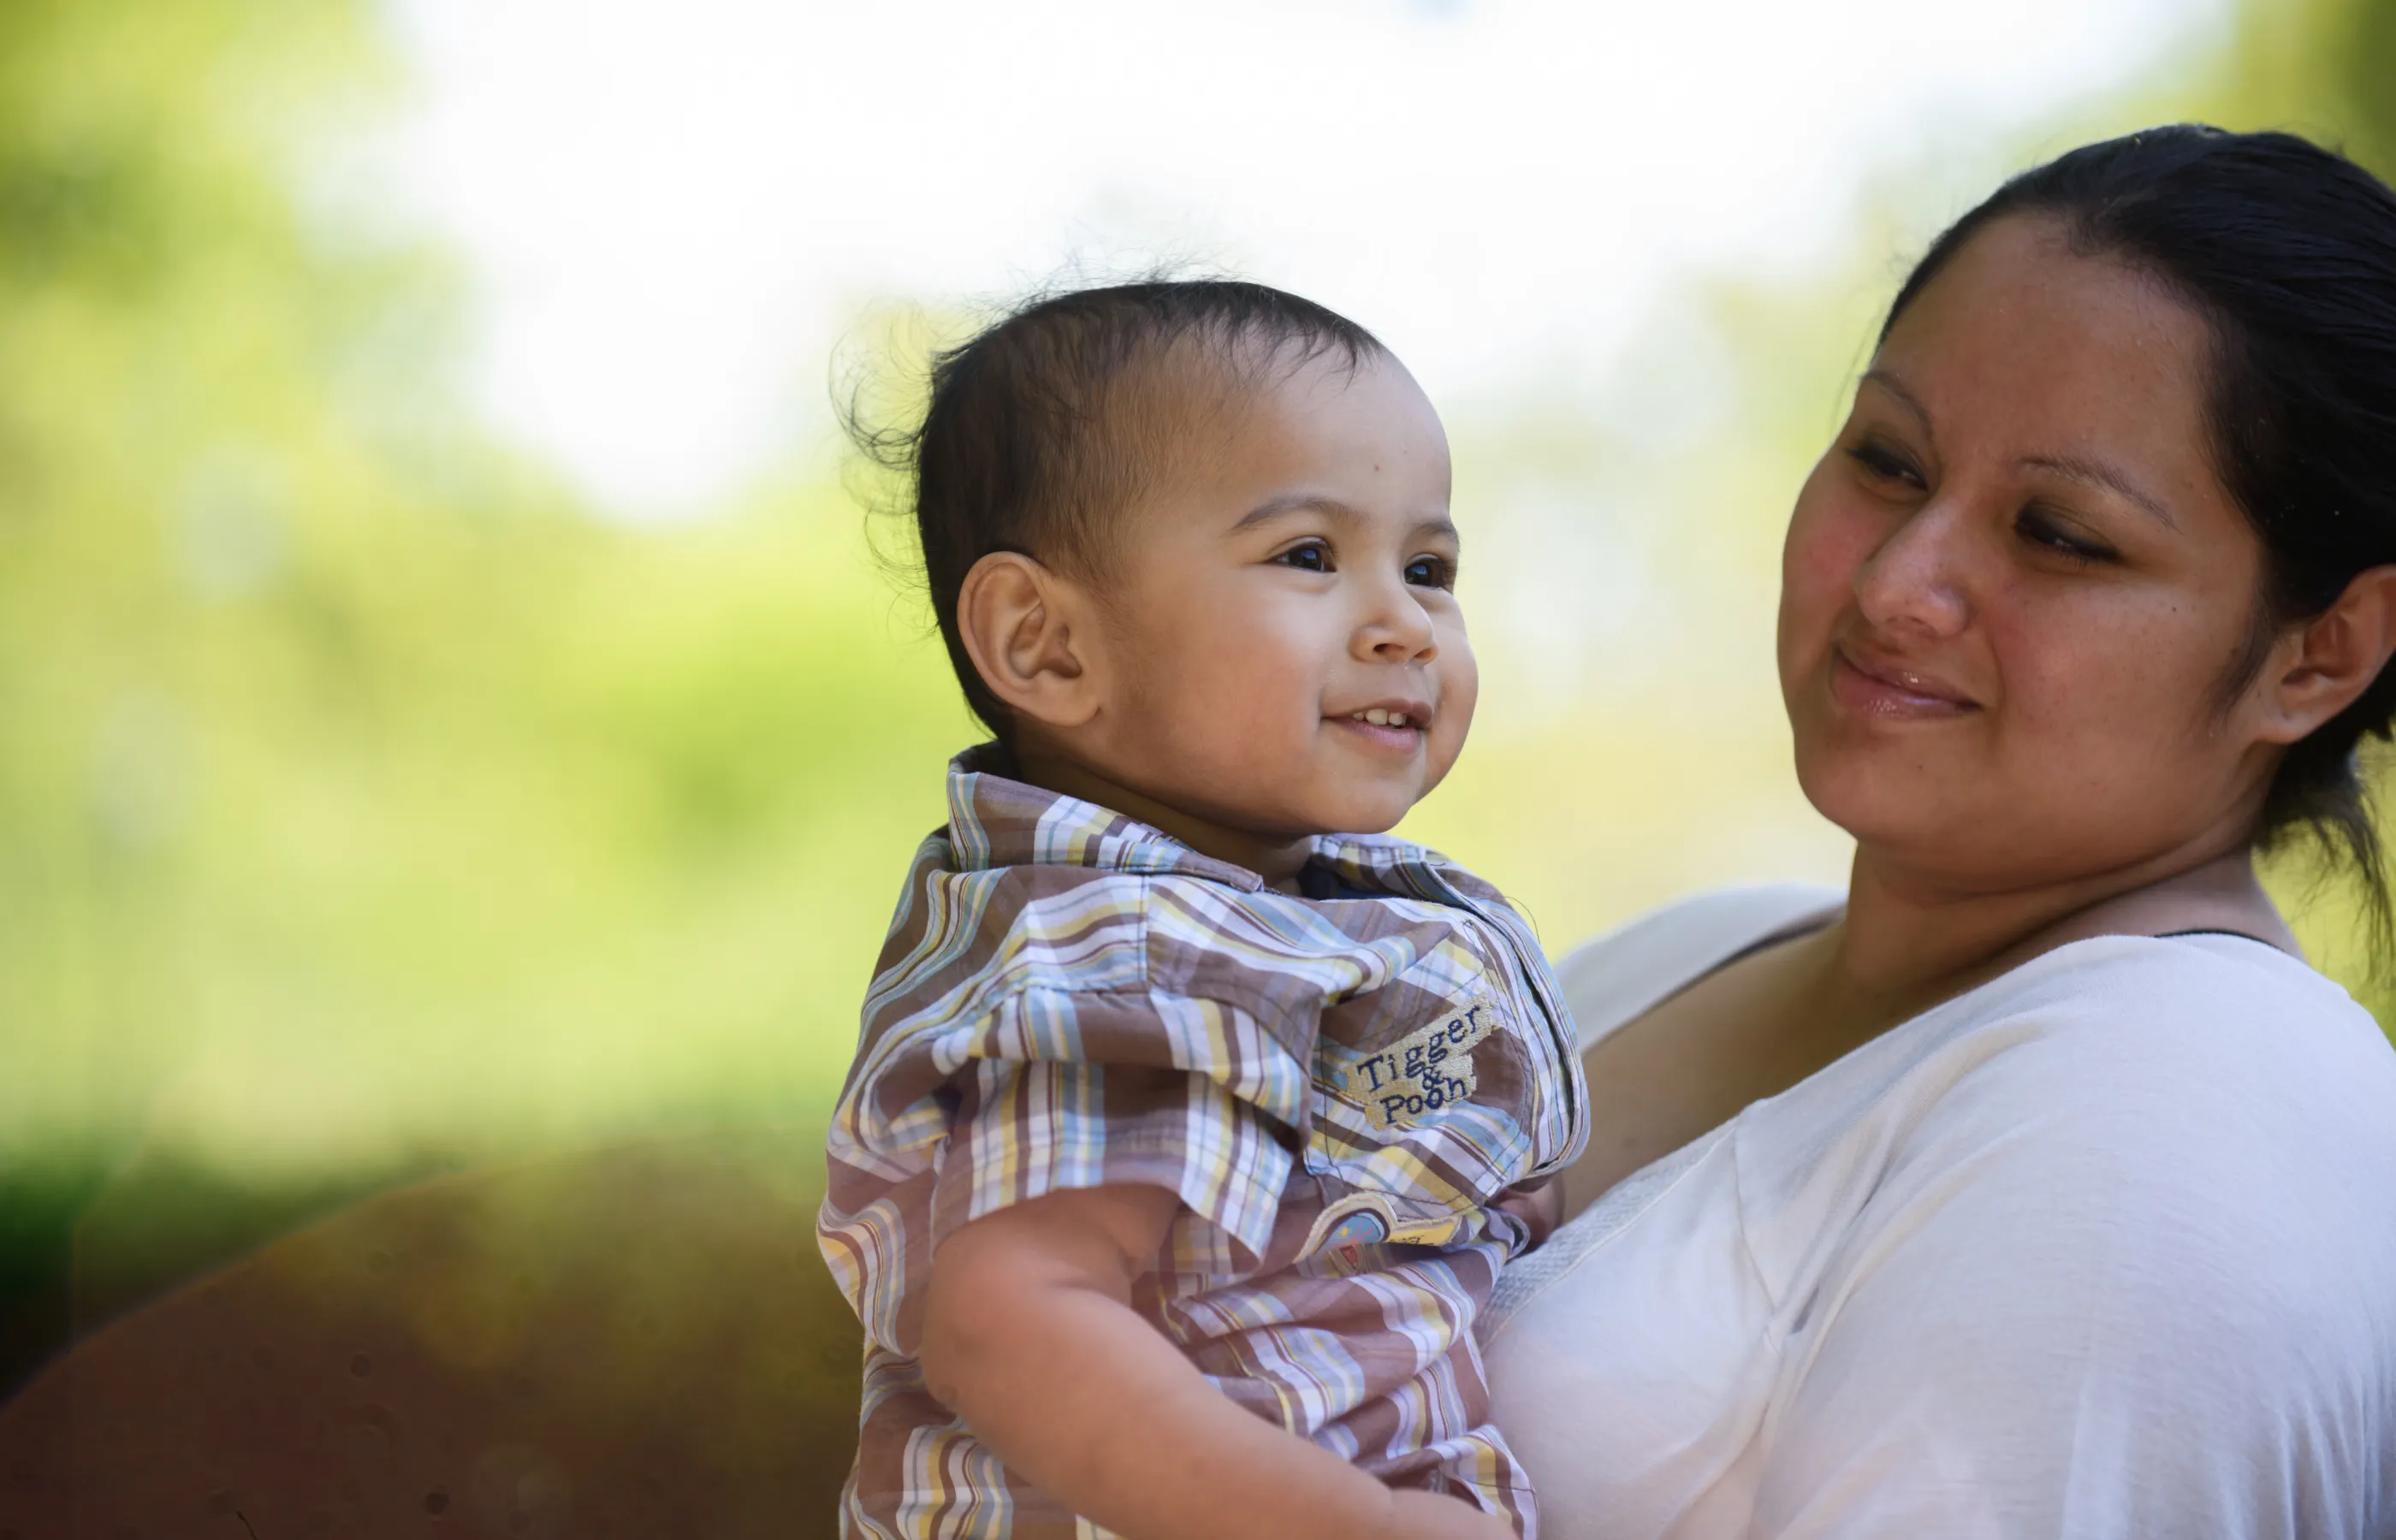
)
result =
(1378, 717)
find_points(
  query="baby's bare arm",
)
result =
(1030, 1336)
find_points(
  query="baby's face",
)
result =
(1290, 658)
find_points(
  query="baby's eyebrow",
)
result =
(1286, 503)
(1342, 512)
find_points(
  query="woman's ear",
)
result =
(1031, 635)
(2337, 655)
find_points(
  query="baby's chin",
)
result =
(1266, 804)
(1354, 815)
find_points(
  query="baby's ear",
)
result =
(1033, 636)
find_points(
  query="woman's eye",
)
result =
(1883, 463)
(1313, 556)
(2049, 535)
(1431, 572)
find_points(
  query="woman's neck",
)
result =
(1904, 946)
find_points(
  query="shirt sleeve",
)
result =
(1053, 1091)
(2122, 1286)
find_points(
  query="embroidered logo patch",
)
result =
(1425, 1070)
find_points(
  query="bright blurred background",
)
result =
(454, 712)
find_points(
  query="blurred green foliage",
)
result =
(366, 808)
(360, 790)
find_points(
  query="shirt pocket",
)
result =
(1424, 1095)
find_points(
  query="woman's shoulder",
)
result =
(1613, 979)
(2178, 1049)
(2123, 1112)
(2183, 1020)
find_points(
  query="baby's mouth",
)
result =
(1393, 728)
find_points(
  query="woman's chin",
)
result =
(1883, 805)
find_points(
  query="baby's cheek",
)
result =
(1244, 723)
(1258, 698)
(1459, 676)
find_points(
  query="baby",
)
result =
(1191, 1122)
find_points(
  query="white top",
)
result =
(2106, 1247)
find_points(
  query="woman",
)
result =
(2037, 1187)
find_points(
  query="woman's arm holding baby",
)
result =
(1030, 1336)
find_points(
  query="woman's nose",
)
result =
(1916, 580)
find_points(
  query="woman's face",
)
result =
(2014, 585)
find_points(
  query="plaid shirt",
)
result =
(1336, 1087)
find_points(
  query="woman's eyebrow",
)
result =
(2103, 477)
(1896, 387)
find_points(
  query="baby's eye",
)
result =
(1431, 572)
(1313, 556)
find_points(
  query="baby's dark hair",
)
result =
(1042, 428)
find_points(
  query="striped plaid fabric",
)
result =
(1336, 1087)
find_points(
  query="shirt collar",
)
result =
(995, 820)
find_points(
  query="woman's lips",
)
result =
(1891, 694)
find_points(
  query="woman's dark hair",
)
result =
(2288, 252)
(1047, 425)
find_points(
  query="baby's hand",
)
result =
(1540, 1204)
(1430, 1515)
